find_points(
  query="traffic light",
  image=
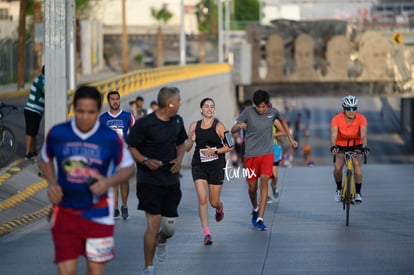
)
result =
(397, 37)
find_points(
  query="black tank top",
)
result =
(204, 138)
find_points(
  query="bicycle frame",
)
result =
(348, 185)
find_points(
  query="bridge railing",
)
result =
(145, 79)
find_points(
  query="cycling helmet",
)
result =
(349, 101)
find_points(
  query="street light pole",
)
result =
(182, 35)
(71, 43)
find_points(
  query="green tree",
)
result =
(206, 12)
(162, 16)
(26, 8)
(245, 11)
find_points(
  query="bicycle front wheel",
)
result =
(8, 146)
(348, 196)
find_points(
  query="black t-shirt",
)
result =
(204, 138)
(157, 139)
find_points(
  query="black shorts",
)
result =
(213, 173)
(159, 200)
(350, 148)
(276, 163)
(32, 122)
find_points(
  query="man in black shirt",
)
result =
(156, 143)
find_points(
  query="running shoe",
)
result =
(117, 214)
(254, 217)
(208, 240)
(358, 198)
(269, 200)
(338, 196)
(149, 270)
(161, 251)
(220, 213)
(124, 212)
(29, 156)
(260, 226)
(275, 193)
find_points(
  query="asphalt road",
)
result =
(307, 234)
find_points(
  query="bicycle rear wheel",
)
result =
(8, 146)
(348, 196)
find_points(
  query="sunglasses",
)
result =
(350, 108)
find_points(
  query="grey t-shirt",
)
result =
(259, 133)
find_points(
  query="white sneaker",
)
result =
(338, 196)
(161, 251)
(269, 200)
(358, 198)
(149, 270)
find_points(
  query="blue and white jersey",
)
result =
(120, 123)
(80, 156)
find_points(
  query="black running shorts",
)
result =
(32, 122)
(159, 200)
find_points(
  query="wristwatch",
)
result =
(144, 160)
(216, 152)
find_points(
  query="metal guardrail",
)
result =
(144, 79)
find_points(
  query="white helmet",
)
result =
(349, 101)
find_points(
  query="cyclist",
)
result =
(348, 132)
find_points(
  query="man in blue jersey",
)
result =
(120, 121)
(90, 159)
(156, 143)
(33, 112)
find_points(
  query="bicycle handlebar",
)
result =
(4, 105)
(357, 152)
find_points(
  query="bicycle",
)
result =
(348, 197)
(8, 143)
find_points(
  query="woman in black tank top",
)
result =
(208, 163)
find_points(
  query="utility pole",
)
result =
(57, 35)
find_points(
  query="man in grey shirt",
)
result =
(258, 121)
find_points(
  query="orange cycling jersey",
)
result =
(348, 131)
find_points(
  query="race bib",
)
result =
(206, 158)
(100, 249)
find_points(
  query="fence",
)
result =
(8, 60)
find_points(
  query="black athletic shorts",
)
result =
(159, 200)
(32, 122)
(213, 172)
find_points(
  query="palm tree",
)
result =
(206, 17)
(28, 7)
(162, 16)
(22, 41)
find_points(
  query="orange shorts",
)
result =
(257, 166)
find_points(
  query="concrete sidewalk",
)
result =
(307, 232)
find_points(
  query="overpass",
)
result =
(224, 84)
